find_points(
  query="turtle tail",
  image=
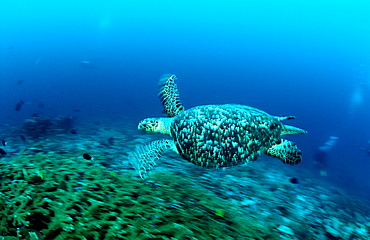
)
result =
(169, 95)
(144, 158)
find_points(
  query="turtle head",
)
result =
(155, 125)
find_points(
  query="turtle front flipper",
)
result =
(286, 151)
(169, 95)
(144, 158)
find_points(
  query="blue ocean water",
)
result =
(101, 60)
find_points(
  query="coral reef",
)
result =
(51, 196)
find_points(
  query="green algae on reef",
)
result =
(53, 196)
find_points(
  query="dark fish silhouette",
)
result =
(87, 156)
(76, 110)
(73, 131)
(19, 105)
(3, 143)
(294, 180)
(19, 82)
(111, 141)
(2, 152)
(23, 138)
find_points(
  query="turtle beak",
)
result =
(142, 126)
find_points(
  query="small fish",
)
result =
(87, 157)
(73, 131)
(23, 138)
(76, 110)
(19, 105)
(294, 180)
(19, 82)
(87, 65)
(3, 142)
(2, 152)
(111, 141)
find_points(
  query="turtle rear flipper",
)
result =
(286, 151)
(144, 158)
(169, 95)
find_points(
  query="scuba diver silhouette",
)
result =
(321, 155)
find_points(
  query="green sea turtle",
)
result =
(213, 136)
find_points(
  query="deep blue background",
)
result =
(310, 59)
